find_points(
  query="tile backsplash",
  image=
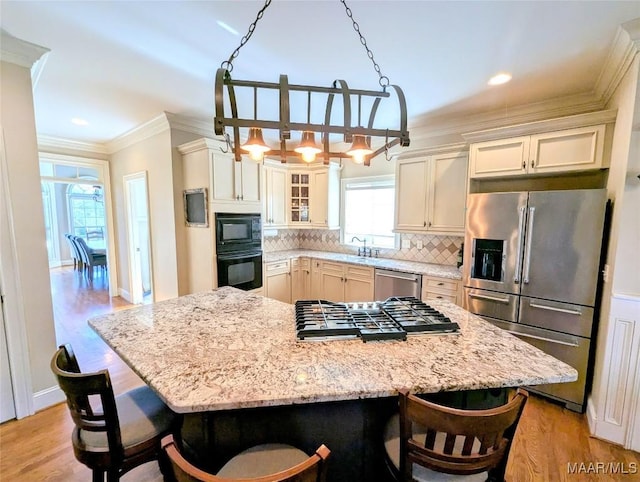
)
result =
(435, 249)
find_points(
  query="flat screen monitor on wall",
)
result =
(195, 207)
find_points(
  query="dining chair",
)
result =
(112, 435)
(75, 253)
(90, 257)
(424, 441)
(261, 463)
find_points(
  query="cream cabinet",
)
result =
(577, 149)
(230, 182)
(301, 197)
(277, 280)
(275, 197)
(431, 193)
(345, 282)
(325, 197)
(442, 288)
(300, 279)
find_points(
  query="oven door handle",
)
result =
(227, 257)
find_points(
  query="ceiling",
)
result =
(119, 64)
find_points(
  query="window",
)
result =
(368, 209)
(86, 213)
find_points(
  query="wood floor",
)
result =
(38, 448)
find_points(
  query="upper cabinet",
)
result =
(232, 185)
(431, 192)
(545, 150)
(302, 196)
(275, 197)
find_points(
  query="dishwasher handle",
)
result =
(398, 275)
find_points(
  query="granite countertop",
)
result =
(429, 269)
(228, 349)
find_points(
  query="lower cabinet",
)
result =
(442, 288)
(277, 280)
(300, 279)
(346, 282)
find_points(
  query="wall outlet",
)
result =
(406, 244)
(605, 273)
(419, 244)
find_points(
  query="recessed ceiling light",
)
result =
(79, 122)
(227, 28)
(501, 78)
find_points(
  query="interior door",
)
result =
(562, 249)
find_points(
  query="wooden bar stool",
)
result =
(425, 441)
(112, 435)
(262, 463)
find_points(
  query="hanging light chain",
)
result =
(228, 64)
(384, 80)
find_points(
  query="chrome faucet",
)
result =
(364, 250)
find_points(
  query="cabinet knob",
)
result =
(242, 197)
(424, 225)
(429, 223)
(524, 164)
(533, 163)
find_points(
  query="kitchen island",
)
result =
(232, 360)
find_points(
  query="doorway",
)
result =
(7, 400)
(138, 238)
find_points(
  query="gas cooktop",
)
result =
(391, 319)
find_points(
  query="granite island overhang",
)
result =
(228, 349)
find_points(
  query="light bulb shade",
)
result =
(255, 144)
(359, 149)
(308, 147)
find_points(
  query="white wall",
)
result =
(29, 284)
(153, 155)
(615, 391)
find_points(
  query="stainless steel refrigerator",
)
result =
(531, 266)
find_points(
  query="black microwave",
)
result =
(238, 232)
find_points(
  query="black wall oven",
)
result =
(239, 250)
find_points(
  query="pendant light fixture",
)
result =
(360, 137)
(307, 147)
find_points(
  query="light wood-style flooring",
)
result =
(38, 448)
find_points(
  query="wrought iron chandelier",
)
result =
(358, 136)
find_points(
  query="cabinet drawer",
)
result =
(277, 267)
(361, 272)
(453, 297)
(331, 267)
(440, 285)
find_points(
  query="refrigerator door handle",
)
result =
(516, 277)
(489, 298)
(542, 338)
(527, 248)
(553, 308)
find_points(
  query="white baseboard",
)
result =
(592, 416)
(47, 397)
(125, 294)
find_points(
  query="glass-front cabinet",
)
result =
(300, 192)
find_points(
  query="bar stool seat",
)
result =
(262, 460)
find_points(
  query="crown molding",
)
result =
(155, 126)
(548, 125)
(623, 51)
(49, 143)
(436, 126)
(19, 52)
(460, 147)
(200, 144)
(200, 127)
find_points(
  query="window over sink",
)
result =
(367, 211)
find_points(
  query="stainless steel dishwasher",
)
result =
(396, 283)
